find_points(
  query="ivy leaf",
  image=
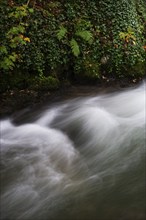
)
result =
(130, 30)
(31, 10)
(74, 47)
(7, 63)
(61, 33)
(13, 57)
(3, 49)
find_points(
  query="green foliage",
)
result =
(122, 38)
(74, 47)
(74, 34)
(85, 35)
(14, 37)
(8, 61)
(61, 33)
(129, 35)
(93, 39)
(20, 12)
(45, 83)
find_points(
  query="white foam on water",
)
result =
(84, 159)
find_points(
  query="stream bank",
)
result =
(15, 100)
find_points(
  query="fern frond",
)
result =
(61, 33)
(74, 47)
(85, 35)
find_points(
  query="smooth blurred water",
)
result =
(82, 159)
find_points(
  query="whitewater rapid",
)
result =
(81, 159)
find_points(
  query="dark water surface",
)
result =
(79, 159)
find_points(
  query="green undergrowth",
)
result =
(44, 43)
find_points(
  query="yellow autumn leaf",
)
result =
(27, 39)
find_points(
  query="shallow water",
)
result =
(82, 159)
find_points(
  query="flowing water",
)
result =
(82, 159)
